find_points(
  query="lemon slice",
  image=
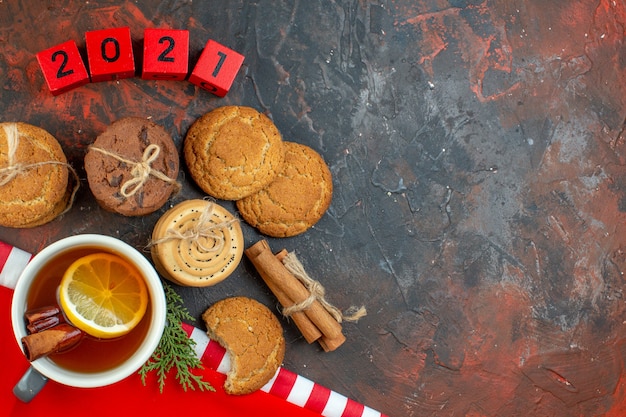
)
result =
(103, 295)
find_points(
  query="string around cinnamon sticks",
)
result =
(316, 319)
(293, 265)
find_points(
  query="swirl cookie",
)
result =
(132, 167)
(233, 151)
(34, 176)
(296, 199)
(253, 337)
(197, 243)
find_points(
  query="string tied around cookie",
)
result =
(318, 293)
(140, 171)
(14, 168)
(203, 229)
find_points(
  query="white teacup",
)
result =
(44, 368)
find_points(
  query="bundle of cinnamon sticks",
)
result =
(314, 321)
(48, 332)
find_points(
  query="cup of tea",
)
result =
(93, 362)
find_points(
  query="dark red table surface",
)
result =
(478, 158)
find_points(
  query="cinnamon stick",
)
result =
(308, 329)
(45, 323)
(41, 313)
(54, 340)
(43, 318)
(289, 290)
(326, 343)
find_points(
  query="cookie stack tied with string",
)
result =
(36, 182)
(236, 153)
(197, 243)
(132, 167)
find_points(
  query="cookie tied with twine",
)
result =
(197, 243)
(36, 182)
(132, 167)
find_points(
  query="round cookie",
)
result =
(197, 243)
(132, 167)
(233, 151)
(253, 337)
(296, 199)
(34, 176)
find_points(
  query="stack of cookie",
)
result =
(236, 153)
(132, 167)
(35, 181)
(197, 243)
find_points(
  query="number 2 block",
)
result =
(216, 68)
(63, 67)
(165, 54)
(110, 54)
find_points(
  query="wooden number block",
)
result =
(63, 67)
(216, 68)
(165, 54)
(110, 54)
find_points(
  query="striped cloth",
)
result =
(12, 262)
(286, 385)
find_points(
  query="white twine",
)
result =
(317, 291)
(203, 228)
(12, 169)
(140, 171)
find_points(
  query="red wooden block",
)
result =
(63, 67)
(216, 68)
(165, 54)
(110, 54)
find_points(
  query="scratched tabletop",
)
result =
(478, 156)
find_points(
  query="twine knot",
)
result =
(318, 293)
(8, 173)
(140, 171)
(204, 228)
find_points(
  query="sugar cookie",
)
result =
(233, 151)
(253, 337)
(296, 199)
(34, 176)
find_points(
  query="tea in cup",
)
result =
(90, 361)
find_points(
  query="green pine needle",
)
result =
(175, 349)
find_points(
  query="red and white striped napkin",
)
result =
(12, 262)
(285, 385)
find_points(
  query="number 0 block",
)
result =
(165, 54)
(110, 54)
(216, 68)
(63, 67)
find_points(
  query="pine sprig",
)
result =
(175, 349)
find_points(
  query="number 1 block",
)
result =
(110, 54)
(63, 67)
(216, 68)
(165, 54)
